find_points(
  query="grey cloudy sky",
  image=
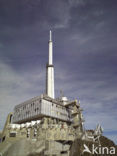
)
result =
(85, 55)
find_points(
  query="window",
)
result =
(3, 139)
(12, 134)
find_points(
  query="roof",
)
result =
(42, 96)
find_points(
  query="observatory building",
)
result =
(52, 122)
(46, 104)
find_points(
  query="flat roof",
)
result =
(42, 96)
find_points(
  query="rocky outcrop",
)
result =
(24, 147)
(78, 147)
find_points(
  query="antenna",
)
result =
(61, 93)
(50, 35)
(50, 70)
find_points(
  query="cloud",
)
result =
(77, 2)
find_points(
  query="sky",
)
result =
(84, 34)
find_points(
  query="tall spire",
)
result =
(50, 36)
(50, 61)
(50, 70)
